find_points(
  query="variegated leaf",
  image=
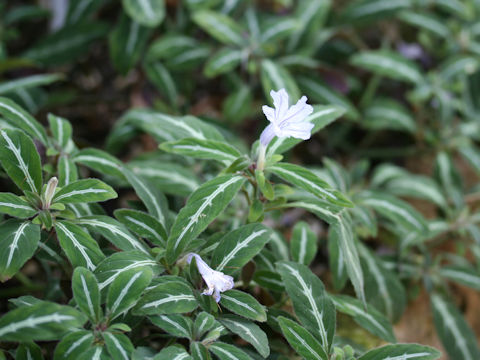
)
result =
(16, 206)
(85, 190)
(87, 293)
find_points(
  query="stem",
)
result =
(261, 157)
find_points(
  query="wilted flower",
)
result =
(284, 121)
(216, 281)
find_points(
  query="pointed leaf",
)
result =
(118, 345)
(223, 61)
(174, 324)
(303, 244)
(402, 351)
(203, 323)
(73, 345)
(143, 224)
(243, 304)
(16, 206)
(173, 352)
(85, 190)
(228, 352)
(87, 293)
(99, 161)
(220, 26)
(146, 12)
(202, 149)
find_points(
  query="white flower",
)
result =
(286, 121)
(216, 281)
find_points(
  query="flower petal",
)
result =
(269, 113)
(298, 130)
(280, 101)
(298, 112)
(267, 135)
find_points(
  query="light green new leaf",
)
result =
(457, 337)
(99, 161)
(61, 130)
(28, 82)
(174, 352)
(42, 321)
(307, 180)
(126, 289)
(248, 331)
(303, 244)
(154, 200)
(223, 61)
(174, 324)
(80, 248)
(118, 345)
(73, 345)
(220, 26)
(167, 298)
(127, 42)
(243, 304)
(146, 12)
(312, 306)
(396, 210)
(228, 352)
(113, 266)
(20, 159)
(87, 293)
(19, 243)
(304, 343)
(402, 351)
(16, 206)
(389, 64)
(239, 246)
(276, 77)
(18, 117)
(85, 190)
(142, 224)
(462, 275)
(321, 117)
(67, 44)
(202, 149)
(370, 319)
(203, 323)
(202, 207)
(113, 231)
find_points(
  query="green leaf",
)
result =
(220, 26)
(199, 351)
(228, 352)
(276, 77)
(303, 244)
(28, 351)
(462, 275)
(307, 180)
(126, 289)
(384, 113)
(389, 64)
(99, 161)
(80, 248)
(223, 61)
(383, 288)
(370, 319)
(154, 200)
(67, 44)
(457, 337)
(239, 246)
(168, 45)
(312, 306)
(42, 321)
(67, 171)
(113, 266)
(202, 207)
(395, 210)
(399, 351)
(87, 293)
(174, 324)
(202, 149)
(167, 298)
(18, 117)
(278, 29)
(243, 304)
(113, 231)
(168, 177)
(301, 340)
(79, 10)
(85, 190)
(203, 323)
(20, 159)
(427, 21)
(127, 42)
(118, 345)
(173, 352)
(28, 82)
(142, 224)
(146, 12)
(16, 206)
(458, 65)
(73, 345)
(366, 11)
(318, 91)
(269, 280)
(61, 130)
(336, 260)
(238, 105)
(321, 117)
(161, 78)
(248, 331)
(19, 243)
